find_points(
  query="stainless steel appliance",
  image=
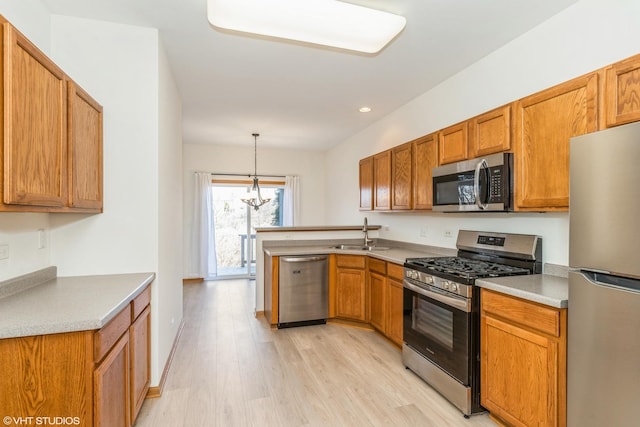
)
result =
(303, 290)
(603, 349)
(483, 184)
(441, 324)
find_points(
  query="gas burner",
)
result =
(464, 267)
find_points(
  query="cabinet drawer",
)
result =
(140, 302)
(106, 337)
(530, 314)
(395, 271)
(377, 266)
(350, 261)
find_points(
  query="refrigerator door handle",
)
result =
(611, 281)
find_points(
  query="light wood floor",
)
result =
(231, 369)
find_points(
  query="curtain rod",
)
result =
(244, 174)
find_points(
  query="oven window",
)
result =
(433, 321)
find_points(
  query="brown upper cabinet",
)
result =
(35, 125)
(366, 183)
(490, 132)
(402, 177)
(544, 123)
(51, 141)
(622, 92)
(425, 158)
(85, 149)
(537, 129)
(454, 143)
(382, 181)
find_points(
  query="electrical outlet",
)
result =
(423, 232)
(448, 233)
(4, 251)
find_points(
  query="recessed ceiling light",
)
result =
(364, 109)
(325, 22)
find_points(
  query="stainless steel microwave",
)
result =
(481, 185)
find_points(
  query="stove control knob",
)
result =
(445, 285)
(429, 280)
(454, 287)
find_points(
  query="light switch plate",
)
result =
(4, 251)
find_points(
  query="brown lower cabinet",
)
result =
(385, 298)
(523, 361)
(91, 378)
(350, 299)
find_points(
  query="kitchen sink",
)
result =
(360, 248)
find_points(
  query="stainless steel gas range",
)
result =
(441, 325)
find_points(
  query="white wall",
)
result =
(583, 38)
(31, 18)
(169, 301)
(309, 165)
(125, 69)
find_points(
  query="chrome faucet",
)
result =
(365, 230)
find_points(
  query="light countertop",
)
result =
(541, 288)
(68, 304)
(394, 254)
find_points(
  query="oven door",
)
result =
(438, 326)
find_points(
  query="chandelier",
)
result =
(254, 198)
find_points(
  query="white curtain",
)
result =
(291, 201)
(203, 240)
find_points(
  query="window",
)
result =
(235, 223)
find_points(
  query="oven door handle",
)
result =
(476, 184)
(461, 304)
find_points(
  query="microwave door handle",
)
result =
(476, 184)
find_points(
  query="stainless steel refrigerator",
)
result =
(603, 349)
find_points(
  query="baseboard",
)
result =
(259, 314)
(192, 280)
(155, 392)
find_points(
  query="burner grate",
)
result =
(465, 267)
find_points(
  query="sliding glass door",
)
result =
(235, 224)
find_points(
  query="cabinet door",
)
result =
(35, 125)
(85, 150)
(378, 301)
(622, 92)
(544, 123)
(454, 143)
(382, 181)
(401, 177)
(394, 310)
(490, 132)
(111, 387)
(425, 158)
(519, 371)
(366, 183)
(47, 376)
(350, 294)
(140, 336)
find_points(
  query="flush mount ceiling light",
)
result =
(254, 198)
(324, 22)
(365, 109)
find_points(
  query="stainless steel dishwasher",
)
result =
(303, 296)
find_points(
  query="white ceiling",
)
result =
(303, 96)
